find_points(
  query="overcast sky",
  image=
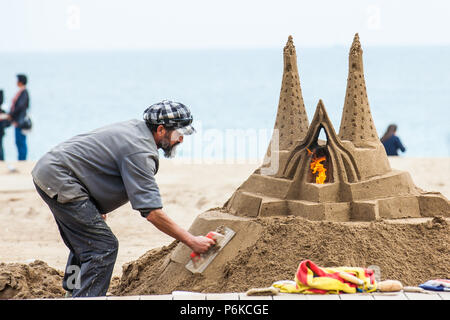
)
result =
(47, 25)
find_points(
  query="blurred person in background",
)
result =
(4, 123)
(18, 116)
(391, 142)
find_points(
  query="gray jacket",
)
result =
(111, 165)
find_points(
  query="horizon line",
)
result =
(213, 48)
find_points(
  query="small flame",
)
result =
(317, 167)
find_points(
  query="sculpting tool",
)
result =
(199, 262)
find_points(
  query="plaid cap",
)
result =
(170, 114)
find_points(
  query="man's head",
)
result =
(167, 139)
(169, 121)
(21, 80)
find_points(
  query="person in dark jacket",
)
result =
(17, 115)
(4, 123)
(391, 142)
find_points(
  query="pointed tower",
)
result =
(357, 124)
(291, 122)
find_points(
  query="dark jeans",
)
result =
(21, 143)
(93, 247)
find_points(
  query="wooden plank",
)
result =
(243, 296)
(222, 296)
(390, 296)
(444, 295)
(123, 298)
(157, 297)
(187, 295)
(356, 296)
(422, 296)
(90, 298)
(290, 296)
(323, 297)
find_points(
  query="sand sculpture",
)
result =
(346, 178)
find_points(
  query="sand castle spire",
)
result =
(356, 51)
(291, 120)
(357, 124)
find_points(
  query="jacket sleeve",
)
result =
(138, 175)
(400, 145)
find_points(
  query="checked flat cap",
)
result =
(170, 114)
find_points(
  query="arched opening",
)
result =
(320, 169)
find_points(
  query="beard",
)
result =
(169, 151)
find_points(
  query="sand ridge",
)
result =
(411, 251)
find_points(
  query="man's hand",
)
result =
(160, 220)
(201, 244)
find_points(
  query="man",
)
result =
(17, 115)
(92, 174)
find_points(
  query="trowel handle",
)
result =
(194, 255)
(212, 235)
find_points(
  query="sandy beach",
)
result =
(29, 231)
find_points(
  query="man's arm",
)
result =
(137, 172)
(164, 223)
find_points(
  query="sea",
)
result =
(232, 93)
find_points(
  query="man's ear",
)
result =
(161, 131)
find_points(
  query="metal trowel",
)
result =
(199, 262)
